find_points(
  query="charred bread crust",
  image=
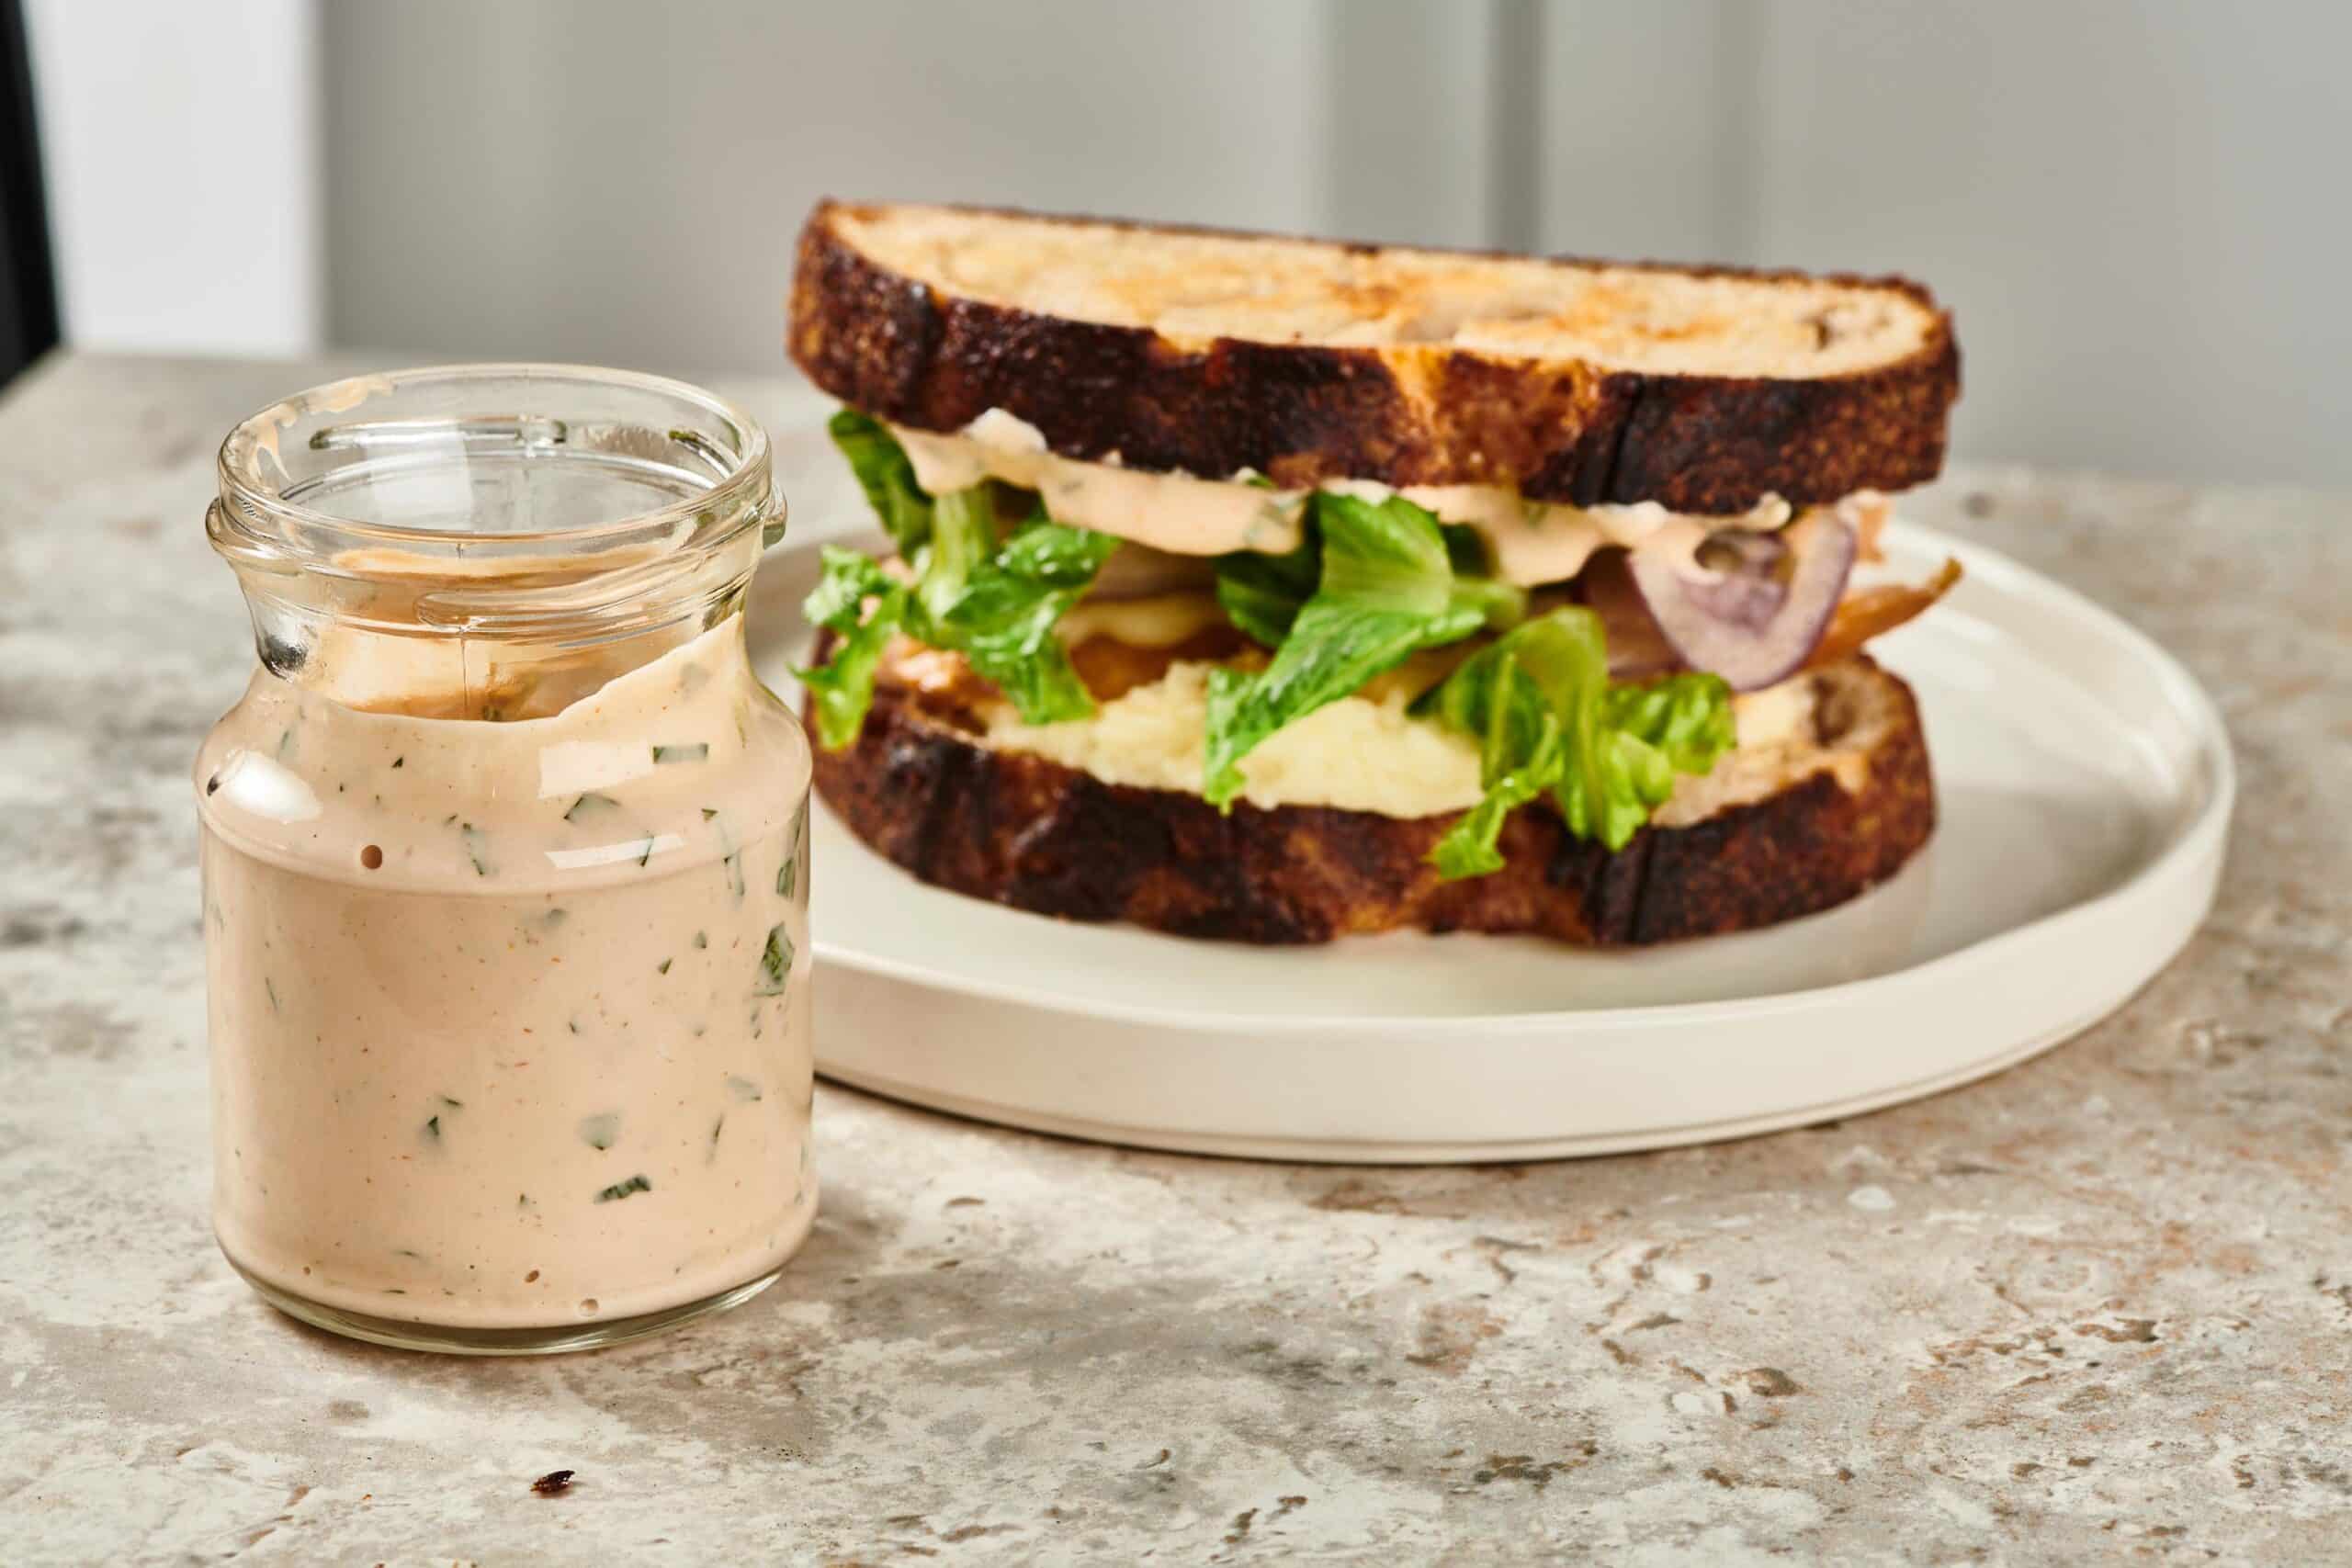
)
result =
(1022, 830)
(1563, 430)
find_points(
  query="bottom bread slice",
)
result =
(1768, 836)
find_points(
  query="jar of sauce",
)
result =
(505, 866)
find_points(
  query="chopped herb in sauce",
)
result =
(575, 1026)
(432, 1128)
(662, 967)
(620, 1189)
(477, 847)
(449, 1103)
(285, 744)
(702, 939)
(269, 986)
(732, 862)
(591, 805)
(787, 876)
(400, 761)
(743, 1089)
(708, 812)
(648, 856)
(775, 963)
(555, 917)
(716, 1128)
(601, 1130)
(696, 752)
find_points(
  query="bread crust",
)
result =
(1563, 430)
(1022, 830)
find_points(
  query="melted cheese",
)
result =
(1530, 542)
(1160, 620)
(1361, 754)
(1355, 753)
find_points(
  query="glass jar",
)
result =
(505, 903)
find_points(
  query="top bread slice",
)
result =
(1209, 353)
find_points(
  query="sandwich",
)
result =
(1275, 590)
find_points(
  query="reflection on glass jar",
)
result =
(505, 860)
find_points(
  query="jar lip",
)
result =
(738, 490)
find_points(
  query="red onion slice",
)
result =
(1738, 549)
(1751, 628)
(1741, 588)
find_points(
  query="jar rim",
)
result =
(737, 490)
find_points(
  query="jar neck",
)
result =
(404, 546)
(398, 634)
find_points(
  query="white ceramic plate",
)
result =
(2085, 784)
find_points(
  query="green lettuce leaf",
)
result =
(1469, 847)
(1645, 734)
(1263, 595)
(963, 536)
(1540, 705)
(887, 476)
(1002, 619)
(1687, 717)
(842, 688)
(840, 596)
(1387, 589)
(996, 605)
(994, 602)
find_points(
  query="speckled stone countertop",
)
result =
(2099, 1305)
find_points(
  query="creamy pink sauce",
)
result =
(510, 1021)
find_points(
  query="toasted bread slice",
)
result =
(1207, 352)
(1774, 832)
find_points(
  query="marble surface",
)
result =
(2099, 1305)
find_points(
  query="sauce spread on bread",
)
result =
(1530, 543)
(1175, 512)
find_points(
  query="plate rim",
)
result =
(2190, 845)
(1454, 1151)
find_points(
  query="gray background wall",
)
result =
(2134, 209)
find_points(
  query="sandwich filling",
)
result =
(1530, 542)
(1435, 650)
(1365, 752)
